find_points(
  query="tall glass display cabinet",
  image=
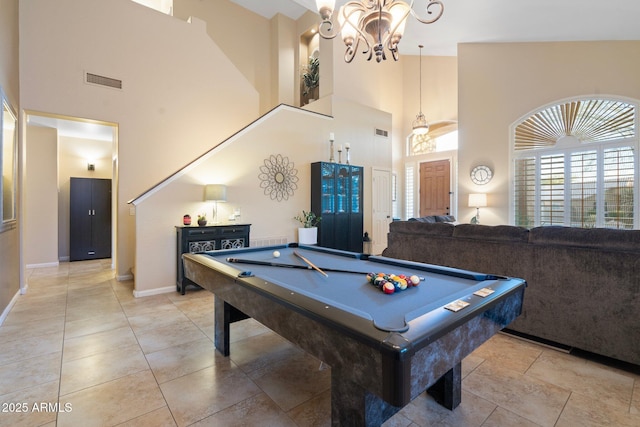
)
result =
(336, 197)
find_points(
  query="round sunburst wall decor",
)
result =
(278, 177)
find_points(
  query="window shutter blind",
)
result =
(584, 175)
(619, 177)
(552, 189)
(410, 190)
(525, 191)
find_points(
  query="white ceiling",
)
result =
(97, 138)
(473, 21)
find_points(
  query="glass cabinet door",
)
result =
(343, 186)
(356, 181)
(328, 188)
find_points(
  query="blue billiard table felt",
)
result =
(352, 292)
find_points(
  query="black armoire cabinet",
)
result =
(336, 197)
(90, 219)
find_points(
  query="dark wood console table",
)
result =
(192, 239)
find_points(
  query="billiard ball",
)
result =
(276, 254)
(388, 288)
(415, 280)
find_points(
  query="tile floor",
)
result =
(79, 339)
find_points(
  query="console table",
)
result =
(191, 239)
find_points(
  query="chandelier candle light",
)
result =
(377, 24)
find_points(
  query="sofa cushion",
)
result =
(598, 238)
(430, 219)
(425, 228)
(435, 218)
(500, 233)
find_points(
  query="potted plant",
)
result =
(311, 78)
(202, 220)
(308, 233)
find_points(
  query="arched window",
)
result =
(575, 163)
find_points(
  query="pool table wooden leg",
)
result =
(224, 315)
(447, 391)
(352, 405)
(222, 320)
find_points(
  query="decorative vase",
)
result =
(308, 236)
(202, 222)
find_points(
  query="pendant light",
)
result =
(420, 125)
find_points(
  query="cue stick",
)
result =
(312, 265)
(276, 264)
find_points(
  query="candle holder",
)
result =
(339, 155)
(347, 148)
(331, 159)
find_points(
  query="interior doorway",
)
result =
(435, 188)
(382, 209)
(80, 148)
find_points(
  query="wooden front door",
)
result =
(435, 188)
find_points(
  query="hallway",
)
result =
(79, 338)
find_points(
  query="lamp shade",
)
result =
(477, 200)
(215, 192)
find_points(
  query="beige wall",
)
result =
(9, 81)
(244, 38)
(41, 197)
(439, 102)
(300, 136)
(175, 104)
(500, 83)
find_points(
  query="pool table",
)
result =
(383, 349)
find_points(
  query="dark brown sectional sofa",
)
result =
(583, 284)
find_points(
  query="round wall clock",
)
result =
(481, 175)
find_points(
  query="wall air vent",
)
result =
(103, 81)
(382, 132)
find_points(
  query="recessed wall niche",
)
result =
(309, 66)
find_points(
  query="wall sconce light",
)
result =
(91, 166)
(215, 193)
(477, 200)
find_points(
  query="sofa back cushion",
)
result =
(496, 233)
(597, 238)
(444, 229)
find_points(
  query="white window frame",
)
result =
(567, 148)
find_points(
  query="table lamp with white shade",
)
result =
(215, 193)
(477, 200)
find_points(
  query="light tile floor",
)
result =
(79, 339)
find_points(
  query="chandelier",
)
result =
(376, 24)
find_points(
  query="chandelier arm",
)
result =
(361, 35)
(351, 51)
(325, 29)
(432, 3)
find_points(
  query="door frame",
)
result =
(452, 157)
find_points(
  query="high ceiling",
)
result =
(473, 21)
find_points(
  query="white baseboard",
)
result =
(44, 264)
(156, 291)
(64, 259)
(124, 277)
(6, 311)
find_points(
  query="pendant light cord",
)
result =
(420, 46)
